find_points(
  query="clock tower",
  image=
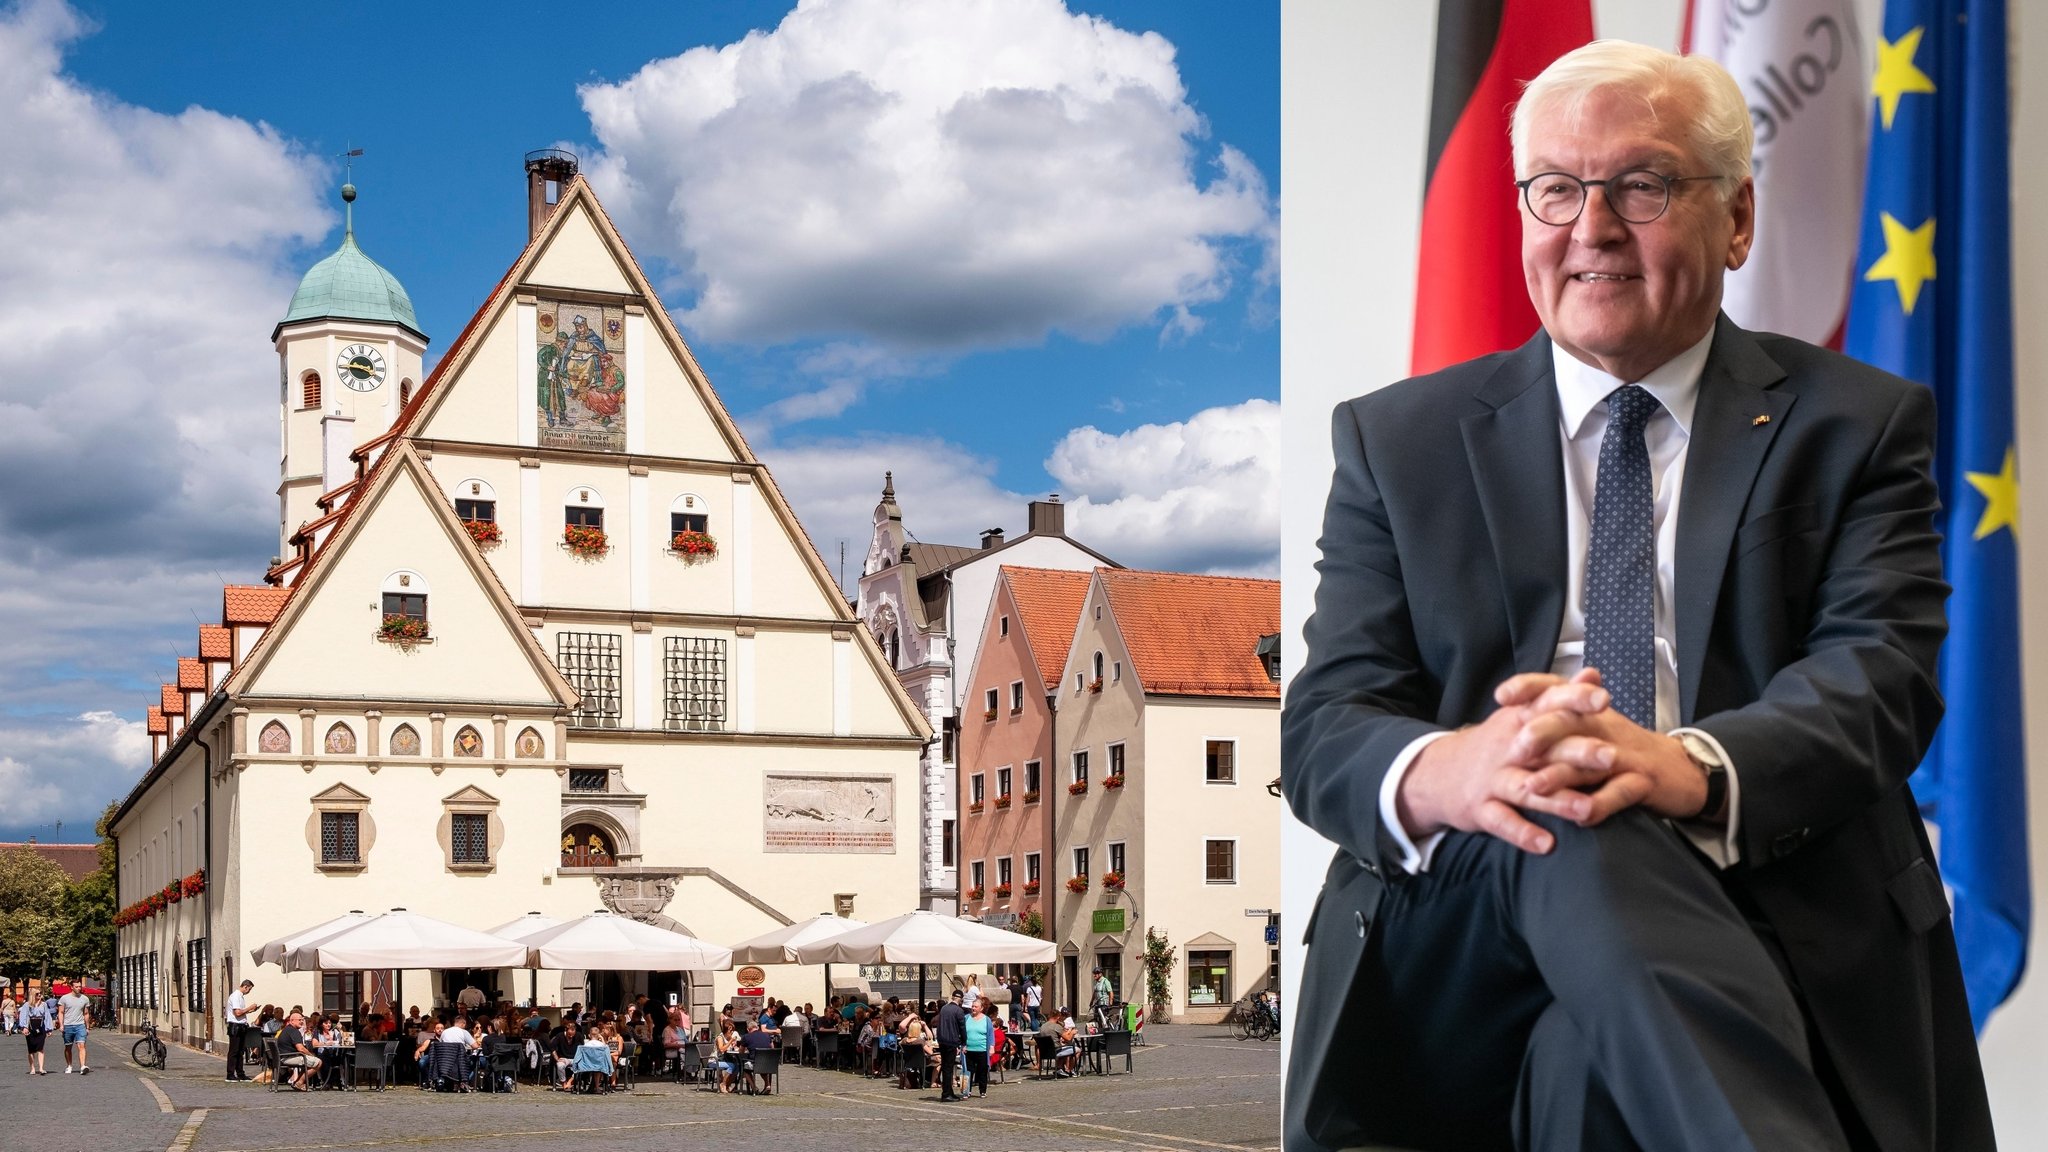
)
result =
(350, 356)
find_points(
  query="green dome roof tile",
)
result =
(348, 285)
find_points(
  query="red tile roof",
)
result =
(1195, 635)
(77, 860)
(158, 726)
(191, 674)
(251, 604)
(1050, 603)
(216, 643)
(174, 701)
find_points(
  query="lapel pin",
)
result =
(1763, 419)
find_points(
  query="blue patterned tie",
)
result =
(1621, 562)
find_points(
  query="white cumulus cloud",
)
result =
(929, 174)
(144, 257)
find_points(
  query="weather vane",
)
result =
(348, 188)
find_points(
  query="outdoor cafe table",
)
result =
(338, 1064)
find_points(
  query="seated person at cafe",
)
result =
(674, 1036)
(294, 1053)
(731, 1054)
(430, 1031)
(1059, 1028)
(562, 1047)
(458, 1032)
(756, 1041)
(533, 1020)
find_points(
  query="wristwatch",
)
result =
(1709, 762)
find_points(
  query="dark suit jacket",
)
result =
(1809, 610)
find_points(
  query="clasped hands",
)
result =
(1554, 746)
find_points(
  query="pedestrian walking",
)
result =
(75, 1007)
(951, 1029)
(36, 1020)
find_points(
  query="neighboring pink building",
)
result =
(1006, 743)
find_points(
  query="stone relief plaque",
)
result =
(828, 813)
(639, 897)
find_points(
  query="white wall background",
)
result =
(1354, 118)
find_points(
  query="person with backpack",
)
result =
(36, 1020)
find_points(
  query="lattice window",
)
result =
(340, 838)
(694, 668)
(153, 972)
(195, 975)
(471, 837)
(590, 662)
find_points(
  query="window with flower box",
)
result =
(1033, 770)
(989, 704)
(1016, 696)
(974, 792)
(1081, 863)
(1116, 857)
(1116, 762)
(1031, 868)
(975, 889)
(1003, 784)
(1081, 769)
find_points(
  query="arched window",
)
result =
(309, 390)
(895, 648)
(689, 513)
(405, 595)
(405, 392)
(586, 846)
(1098, 667)
(476, 500)
(584, 507)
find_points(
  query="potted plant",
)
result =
(693, 546)
(1031, 797)
(1113, 881)
(989, 715)
(974, 893)
(1095, 685)
(1116, 781)
(173, 892)
(1031, 887)
(404, 631)
(485, 533)
(1003, 891)
(1003, 801)
(1077, 884)
(1077, 787)
(974, 807)
(585, 542)
(195, 883)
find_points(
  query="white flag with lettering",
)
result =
(1801, 67)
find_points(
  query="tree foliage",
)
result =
(32, 925)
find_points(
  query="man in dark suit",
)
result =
(1623, 650)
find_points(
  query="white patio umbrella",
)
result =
(401, 939)
(513, 930)
(602, 940)
(928, 938)
(274, 952)
(525, 925)
(780, 945)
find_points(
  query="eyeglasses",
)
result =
(1638, 196)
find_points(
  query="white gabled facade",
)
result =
(722, 726)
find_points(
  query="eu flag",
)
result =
(1933, 302)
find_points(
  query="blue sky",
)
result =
(1050, 265)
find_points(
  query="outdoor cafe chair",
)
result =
(270, 1058)
(447, 1066)
(910, 1064)
(592, 1069)
(793, 1042)
(1048, 1057)
(501, 1067)
(376, 1056)
(1115, 1044)
(766, 1064)
(629, 1058)
(829, 1048)
(691, 1067)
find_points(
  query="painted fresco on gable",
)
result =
(582, 361)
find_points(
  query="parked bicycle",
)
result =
(1251, 1019)
(150, 1051)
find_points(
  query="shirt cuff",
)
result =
(1720, 845)
(1414, 858)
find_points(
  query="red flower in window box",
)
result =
(1077, 787)
(1031, 887)
(1003, 801)
(693, 546)
(1031, 797)
(195, 883)
(974, 893)
(989, 715)
(1002, 891)
(401, 629)
(585, 541)
(974, 807)
(1095, 685)
(1077, 884)
(1116, 781)
(485, 533)
(1113, 881)
(173, 892)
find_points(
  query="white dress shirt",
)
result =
(1582, 410)
(238, 1007)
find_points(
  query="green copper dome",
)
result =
(348, 285)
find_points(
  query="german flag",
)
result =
(1470, 298)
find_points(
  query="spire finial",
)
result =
(348, 191)
(889, 485)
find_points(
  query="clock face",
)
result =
(361, 367)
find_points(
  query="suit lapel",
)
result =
(1518, 469)
(1725, 451)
